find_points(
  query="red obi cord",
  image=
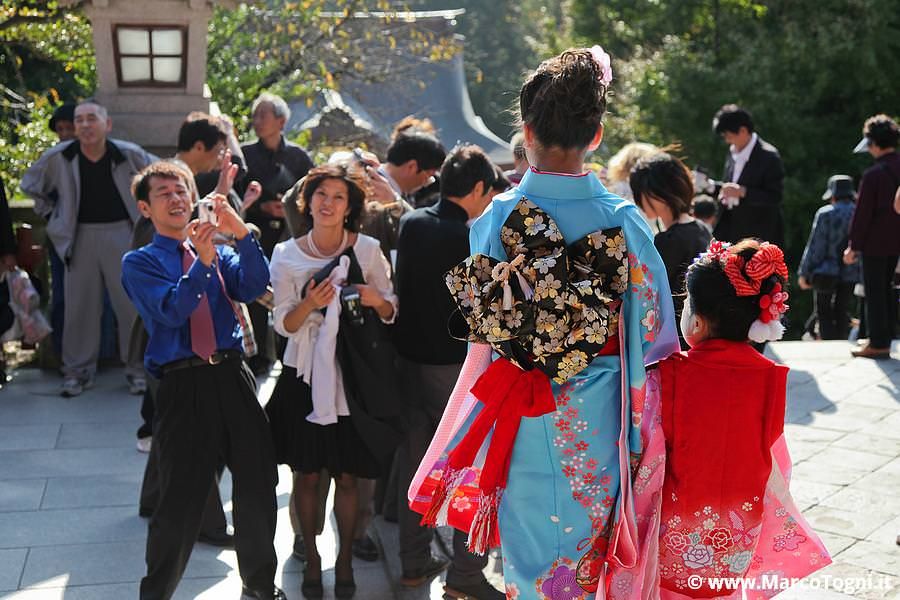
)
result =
(508, 394)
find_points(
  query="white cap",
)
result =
(862, 146)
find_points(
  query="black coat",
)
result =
(759, 213)
(367, 358)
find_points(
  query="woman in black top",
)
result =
(663, 188)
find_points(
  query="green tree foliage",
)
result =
(296, 48)
(299, 48)
(810, 71)
(46, 57)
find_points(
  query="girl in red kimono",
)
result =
(726, 510)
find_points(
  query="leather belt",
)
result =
(196, 361)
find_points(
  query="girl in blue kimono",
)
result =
(550, 444)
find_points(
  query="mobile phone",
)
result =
(358, 155)
(206, 212)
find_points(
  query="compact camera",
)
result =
(206, 212)
(351, 307)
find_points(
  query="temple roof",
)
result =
(363, 111)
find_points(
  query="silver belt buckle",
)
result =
(215, 358)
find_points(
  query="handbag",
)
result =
(30, 323)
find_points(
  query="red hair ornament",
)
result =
(747, 276)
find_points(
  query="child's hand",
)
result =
(804, 283)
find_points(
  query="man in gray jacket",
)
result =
(83, 190)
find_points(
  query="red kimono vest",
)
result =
(722, 409)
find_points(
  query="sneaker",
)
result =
(430, 569)
(477, 590)
(137, 385)
(144, 443)
(71, 386)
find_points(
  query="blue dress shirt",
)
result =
(165, 297)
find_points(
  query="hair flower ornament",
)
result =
(772, 305)
(767, 327)
(717, 251)
(603, 60)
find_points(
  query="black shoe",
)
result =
(312, 588)
(365, 549)
(299, 552)
(274, 594)
(478, 590)
(433, 567)
(221, 540)
(344, 589)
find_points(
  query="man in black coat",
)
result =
(750, 195)
(432, 241)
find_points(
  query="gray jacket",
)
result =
(54, 184)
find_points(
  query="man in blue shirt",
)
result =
(184, 288)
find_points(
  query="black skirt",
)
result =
(308, 447)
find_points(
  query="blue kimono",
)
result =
(566, 517)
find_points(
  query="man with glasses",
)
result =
(83, 190)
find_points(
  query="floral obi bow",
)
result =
(548, 311)
(551, 307)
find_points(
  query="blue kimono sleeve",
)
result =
(650, 333)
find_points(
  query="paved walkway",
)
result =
(69, 478)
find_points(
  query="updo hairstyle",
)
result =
(564, 100)
(713, 296)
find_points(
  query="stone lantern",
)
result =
(151, 65)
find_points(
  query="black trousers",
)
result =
(427, 388)
(212, 524)
(832, 309)
(881, 303)
(205, 413)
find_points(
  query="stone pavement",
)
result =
(69, 478)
